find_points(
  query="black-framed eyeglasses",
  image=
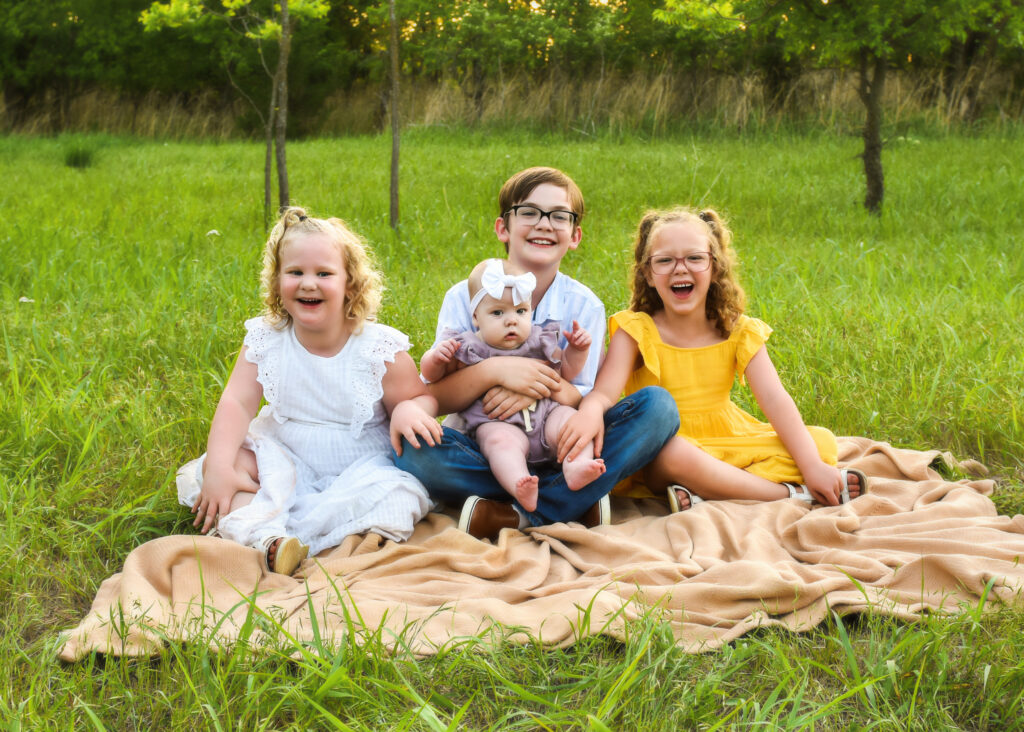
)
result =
(531, 215)
(694, 262)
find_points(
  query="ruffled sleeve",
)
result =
(263, 344)
(641, 328)
(375, 347)
(750, 334)
(549, 334)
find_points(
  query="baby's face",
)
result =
(502, 324)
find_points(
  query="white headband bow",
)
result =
(494, 281)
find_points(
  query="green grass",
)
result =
(123, 287)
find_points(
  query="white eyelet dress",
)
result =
(321, 444)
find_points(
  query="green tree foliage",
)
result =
(59, 47)
(869, 37)
(264, 23)
(53, 50)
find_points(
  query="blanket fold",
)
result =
(917, 543)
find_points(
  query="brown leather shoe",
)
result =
(483, 518)
(600, 514)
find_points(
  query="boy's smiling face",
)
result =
(539, 247)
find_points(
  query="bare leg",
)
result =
(505, 446)
(585, 468)
(708, 477)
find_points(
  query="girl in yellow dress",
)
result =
(686, 331)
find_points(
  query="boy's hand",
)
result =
(578, 337)
(445, 350)
(219, 488)
(502, 403)
(409, 419)
(528, 376)
(578, 431)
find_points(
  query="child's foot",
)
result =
(856, 484)
(526, 492)
(681, 499)
(285, 553)
(579, 473)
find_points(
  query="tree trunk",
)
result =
(281, 112)
(870, 88)
(268, 162)
(395, 121)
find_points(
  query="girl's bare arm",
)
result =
(824, 481)
(411, 407)
(588, 423)
(221, 477)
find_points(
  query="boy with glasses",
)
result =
(540, 210)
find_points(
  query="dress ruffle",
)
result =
(639, 327)
(750, 334)
(379, 348)
(263, 347)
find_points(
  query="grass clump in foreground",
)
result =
(124, 288)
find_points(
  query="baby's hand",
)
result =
(409, 419)
(578, 337)
(446, 350)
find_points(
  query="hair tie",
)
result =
(706, 218)
(303, 218)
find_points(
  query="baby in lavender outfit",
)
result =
(500, 303)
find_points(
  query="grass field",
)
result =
(124, 284)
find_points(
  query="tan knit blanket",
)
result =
(916, 543)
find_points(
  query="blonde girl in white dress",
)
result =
(314, 465)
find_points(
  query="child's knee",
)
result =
(657, 407)
(825, 441)
(247, 462)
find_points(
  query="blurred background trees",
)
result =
(585, 65)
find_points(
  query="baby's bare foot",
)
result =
(526, 492)
(579, 473)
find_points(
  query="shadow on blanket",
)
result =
(917, 543)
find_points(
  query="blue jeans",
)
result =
(635, 430)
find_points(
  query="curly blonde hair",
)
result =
(725, 301)
(363, 286)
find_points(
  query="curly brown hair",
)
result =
(725, 301)
(363, 286)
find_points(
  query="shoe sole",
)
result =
(466, 517)
(289, 555)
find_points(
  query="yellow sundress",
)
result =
(700, 381)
